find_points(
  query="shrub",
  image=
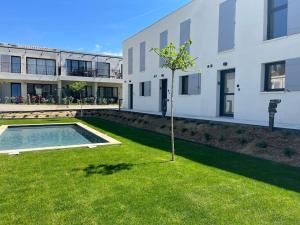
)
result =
(221, 138)
(288, 152)
(184, 130)
(193, 133)
(243, 140)
(262, 144)
(207, 136)
(163, 126)
(240, 131)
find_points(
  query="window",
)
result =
(184, 85)
(78, 67)
(275, 76)
(41, 66)
(108, 92)
(44, 90)
(103, 69)
(16, 64)
(16, 90)
(277, 18)
(145, 88)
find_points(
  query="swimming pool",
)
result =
(22, 138)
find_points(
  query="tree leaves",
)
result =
(176, 60)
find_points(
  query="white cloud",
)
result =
(119, 53)
(99, 49)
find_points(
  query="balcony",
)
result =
(94, 73)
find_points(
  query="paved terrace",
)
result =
(30, 108)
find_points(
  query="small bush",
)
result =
(193, 133)
(288, 152)
(240, 131)
(221, 138)
(207, 136)
(262, 144)
(163, 127)
(184, 130)
(243, 140)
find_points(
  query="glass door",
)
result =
(227, 93)
(16, 90)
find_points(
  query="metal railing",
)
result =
(9, 67)
(93, 73)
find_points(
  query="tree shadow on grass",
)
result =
(103, 169)
(110, 169)
(273, 173)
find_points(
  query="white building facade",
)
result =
(31, 74)
(247, 53)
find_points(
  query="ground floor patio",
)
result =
(43, 107)
(58, 92)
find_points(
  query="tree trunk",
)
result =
(81, 112)
(172, 117)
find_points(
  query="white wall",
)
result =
(251, 51)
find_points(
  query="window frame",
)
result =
(36, 66)
(103, 63)
(267, 76)
(271, 11)
(18, 64)
(182, 89)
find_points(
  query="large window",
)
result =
(41, 66)
(108, 92)
(78, 67)
(277, 18)
(275, 76)
(184, 85)
(103, 69)
(16, 64)
(44, 90)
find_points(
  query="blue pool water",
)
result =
(42, 136)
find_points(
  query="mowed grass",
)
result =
(135, 183)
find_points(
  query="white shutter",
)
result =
(194, 84)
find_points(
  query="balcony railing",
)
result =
(9, 67)
(93, 73)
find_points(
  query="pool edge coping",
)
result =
(110, 140)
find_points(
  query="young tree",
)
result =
(175, 60)
(77, 87)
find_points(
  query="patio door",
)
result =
(130, 96)
(16, 90)
(227, 93)
(163, 93)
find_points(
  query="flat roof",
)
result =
(54, 50)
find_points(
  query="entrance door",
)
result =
(16, 90)
(227, 93)
(130, 96)
(164, 94)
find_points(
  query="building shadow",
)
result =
(266, 171)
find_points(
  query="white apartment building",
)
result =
(28, 73)
(247, 53)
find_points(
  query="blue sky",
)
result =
(84, 25)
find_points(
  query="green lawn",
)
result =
(135, 183)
